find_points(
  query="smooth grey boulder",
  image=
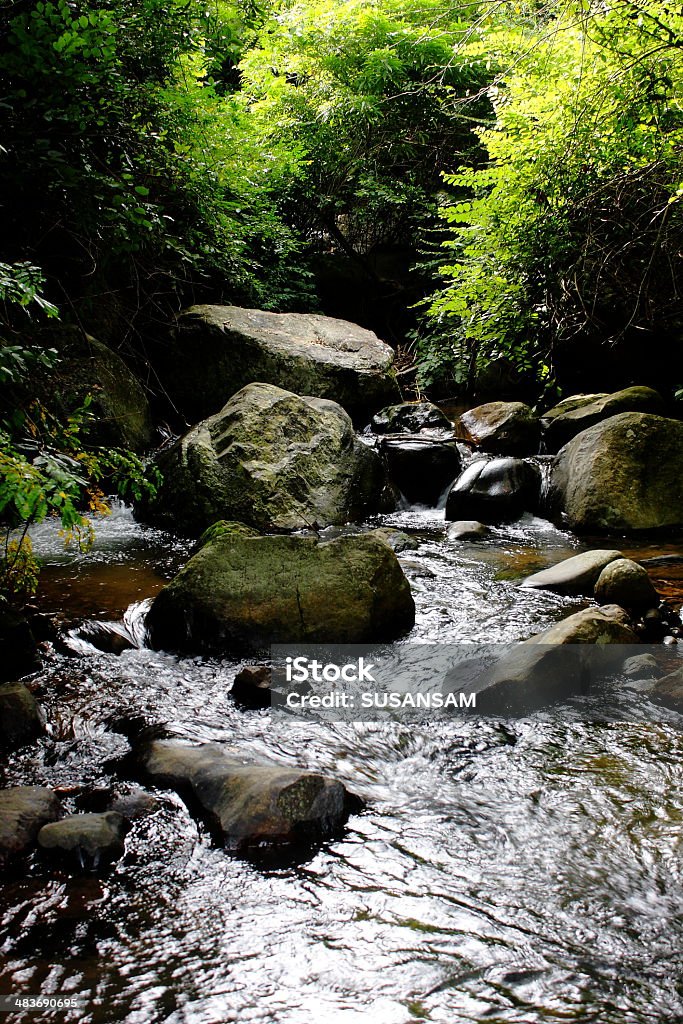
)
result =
(495, 491)
(420, 467)
(250, 806)
(467, 529)
(575, 575)
(626, 583)
(568, 419)
(88, 838)
(624, 474)
(20, 718)
(502, 428)
(271, 460)
(23, 812)
(410, 418)
(249, 592)
(215, 351)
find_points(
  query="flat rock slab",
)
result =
(575, 575)
(251, 805)
(85, 837)
(216, 350)
(23, 812)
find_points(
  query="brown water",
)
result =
(520, 872)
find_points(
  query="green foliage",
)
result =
(571, 230)
(123, 161)
(372, 96)
(45, 467)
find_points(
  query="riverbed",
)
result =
(525, 871)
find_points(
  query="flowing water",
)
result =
(526, 872)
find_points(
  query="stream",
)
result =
(526, 872)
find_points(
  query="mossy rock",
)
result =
(249, 592)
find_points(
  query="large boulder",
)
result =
(23, 812)
(496, 491)
(410, 418)
(625, 582)
(20, 720)
(88, 839)
(420, 467)
(250, 592)
(623, 474)
(575, 575)
(561, 662)
(217, 350)
(18, 647)
(271, 460)
(502, 428)
(570, 417)
(251, 806)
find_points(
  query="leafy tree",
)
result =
(46, 467)
(372, 95)
(568, 238)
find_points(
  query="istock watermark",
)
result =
(414, 682)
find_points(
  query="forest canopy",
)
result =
(520, 162)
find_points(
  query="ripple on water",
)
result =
(525, 872)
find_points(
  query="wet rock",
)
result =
(20, 719)
(23, 812)
(420, 467)
(607, 625)
(249, 592)
(641, 666)
(575, 575)
(669, 690)
(502, 428)
(397, 540)
(568, 419)
(108, 637)
(251, 687)
(90, 839)
(559, 663)
(217, 350)
(136, 804)
(410, 418)
(467, 529)
(623, 474)
(494, 492)
(18, 647)
(251, 805)
(272, 461)
(626, 583)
